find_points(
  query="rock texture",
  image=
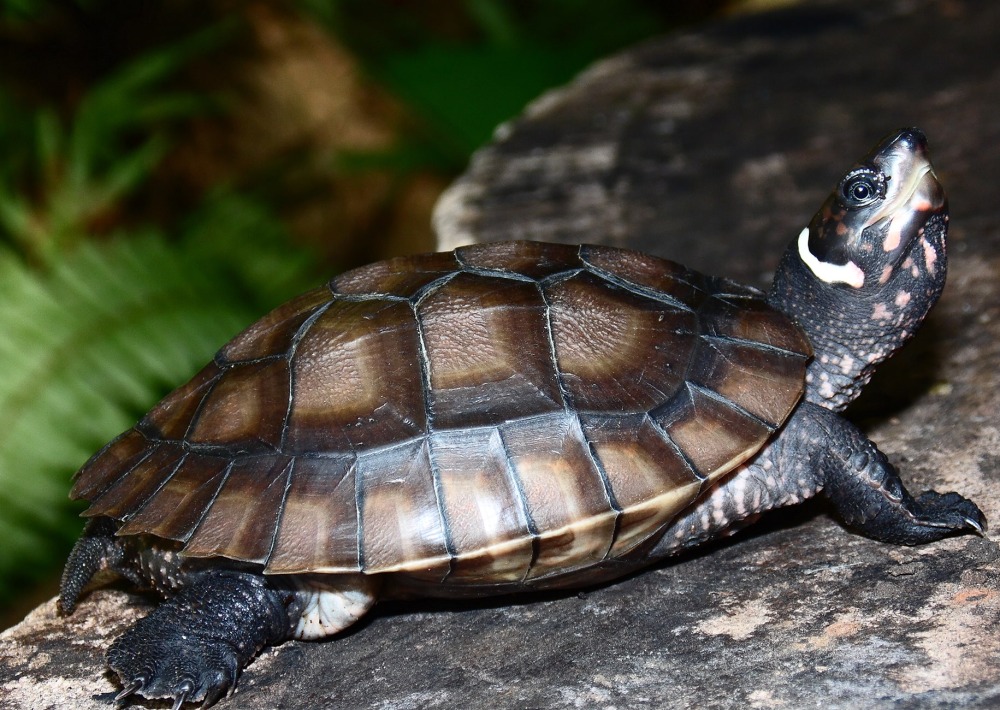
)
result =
(713, 148)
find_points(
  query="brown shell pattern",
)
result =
(502, 413)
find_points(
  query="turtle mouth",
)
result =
(917, 190)
(916, 196)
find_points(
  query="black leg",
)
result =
(868, 494)
(194, 645)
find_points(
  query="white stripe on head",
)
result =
(849, 273)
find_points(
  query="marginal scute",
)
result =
(244, 515)
(754, 321)
(489, 355)
(485, 515)
(175, 510)
(650, 480)
(662, 276)
(759, 380)
(171, 418)
(318, 531)
(617, 350)
(536, 260)
(108, 464)
(401, 523)
(564, 493)
(712, 434)
(124, 496)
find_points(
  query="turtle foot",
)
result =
(949, 511)
(193, 646)
(162, 662)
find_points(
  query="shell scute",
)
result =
(489, 353)
(318, 531)
(662, 277)
(510, 414)
(241, 521)
(649, 478)
(119, 456)
(564, 493)
(357, 380)
(535, 260)
(752, 320)
(401, 523)
(244, 409)
(175, 509)
(617, 350)
(171, 418)
(758, 380)
(401, 277)
(486, 518)
(127, 493)
(273, 334)
(712, 434)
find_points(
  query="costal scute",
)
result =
(506, 417)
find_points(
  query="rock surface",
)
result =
(713, 148)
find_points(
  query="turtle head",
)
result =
(862, 276)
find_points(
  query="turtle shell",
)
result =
(503, 412)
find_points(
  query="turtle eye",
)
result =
(862, 187)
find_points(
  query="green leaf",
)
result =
(78, 170)
(91, 344)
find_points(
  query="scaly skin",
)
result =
(817, 451)
(859, 282)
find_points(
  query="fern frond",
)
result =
(85, 349)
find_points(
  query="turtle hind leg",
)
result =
(193, 646)
(869, 496)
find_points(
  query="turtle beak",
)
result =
(913, 193)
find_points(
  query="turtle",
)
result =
(509, 417)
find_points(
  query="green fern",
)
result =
(88, 346)
(60, 177)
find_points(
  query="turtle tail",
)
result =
(95, 550)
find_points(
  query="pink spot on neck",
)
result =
(893, 236)
(930, 256)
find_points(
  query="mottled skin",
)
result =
(858, 282)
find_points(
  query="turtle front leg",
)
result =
(194, 645)
(869, 496)
(817, 451)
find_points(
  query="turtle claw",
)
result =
(131, 688)
(215, 693)
(182, 696)
(978, 526)
(950, 511)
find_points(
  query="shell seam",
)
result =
(564, 394)
(290, 467)
(204, 512)
(301, 333)
(523, 500)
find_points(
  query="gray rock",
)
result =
(714, 148)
